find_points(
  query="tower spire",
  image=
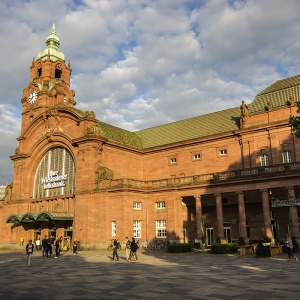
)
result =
(52, 43)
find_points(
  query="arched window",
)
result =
(55, 174)
(286, 157)
(264, 160)
(58, 73)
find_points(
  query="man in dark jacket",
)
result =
(133, 249)
(45, 246)
(115, 249)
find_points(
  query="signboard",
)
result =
(54, 180)
(285, 202)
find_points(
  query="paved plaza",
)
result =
(156, 275)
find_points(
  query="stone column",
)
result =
(293, 214)
(198, 219)
(266, 212)
(219, 210)
(242, 215)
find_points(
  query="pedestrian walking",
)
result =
(127, 248)
(289, 248)
(75, 245)
(29, 251)
(133, 249)
(115, 249)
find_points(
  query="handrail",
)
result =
(239, 174)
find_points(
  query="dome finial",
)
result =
(52, 43)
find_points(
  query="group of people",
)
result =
(49, 244)
(131, 248)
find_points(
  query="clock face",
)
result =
(32, 97)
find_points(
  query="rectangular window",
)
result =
(286, 157)
(264, 160)
(113, 228)
(223, 152)
(160, 205)
(137, 229)
(173, 160)
(137, 205)
(161, 229)
(197, 156)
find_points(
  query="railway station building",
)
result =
(229, 174)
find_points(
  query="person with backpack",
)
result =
(115, 249)
(29, 251)
(133, 249)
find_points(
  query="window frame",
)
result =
(264, 160)
(113, 228)
(223, 152)
(161, 228)
(286, 157)
(137, 205)
(137, 229)
(160, 205)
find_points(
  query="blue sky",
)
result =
(142, 63)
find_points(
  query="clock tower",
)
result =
(49, 82)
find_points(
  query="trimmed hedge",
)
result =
(224, 248)
(179, 248)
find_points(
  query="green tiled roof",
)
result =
(197, 127)
(202, 126)
(277, 93)
(115, 134)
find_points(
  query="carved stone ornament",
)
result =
(244, 114)
(52, 120)
(8, 192)
(102, 173)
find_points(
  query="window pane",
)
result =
(137, 229)
(161, 230)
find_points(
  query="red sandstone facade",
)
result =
(240, 181)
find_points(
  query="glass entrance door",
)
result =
(227, 232)
(209, 236)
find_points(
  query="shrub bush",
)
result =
(179, 248)
(224, 248)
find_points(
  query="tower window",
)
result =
(40, 72)
(57, 73)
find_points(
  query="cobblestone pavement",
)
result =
(156, 275)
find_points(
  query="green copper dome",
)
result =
(52, 43)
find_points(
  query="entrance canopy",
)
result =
(40, 217)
